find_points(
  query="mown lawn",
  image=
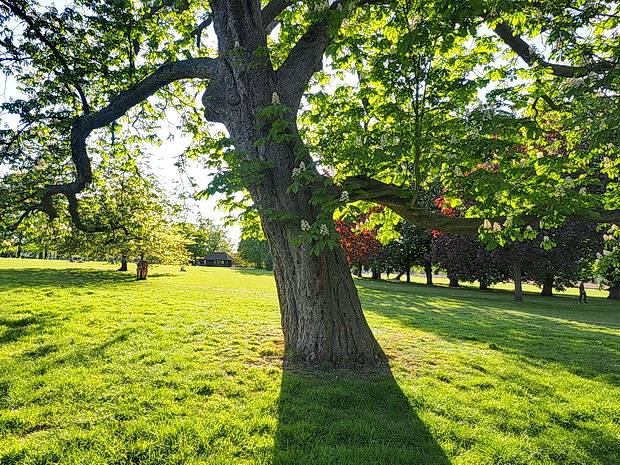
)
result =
(186, 368)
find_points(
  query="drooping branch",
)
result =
(195, 68)
(402, 202)
(205, 68)
(527, 54)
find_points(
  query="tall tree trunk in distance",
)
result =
(123, 264)
(516, 272)
(376, 274)
(19, 251)
(428, 270)
(547, 289)
(408, 275)
(453, 282)
(483, 285)
(358, 271)
(614, 291)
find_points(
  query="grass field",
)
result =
(186, 368)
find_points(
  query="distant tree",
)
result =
(557, 257)
(607, 263)
(133, 216)
(205, 237)
(255, 250)
(468, 259)
(411, 248)
(361, 246)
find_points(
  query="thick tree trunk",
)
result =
(322, 317)
(483, 285)
(614, 292)
(453, 282)
(376, 274)
(408, 275)
(123, 265)
(428, 270)
(547, 289)
(516, 272)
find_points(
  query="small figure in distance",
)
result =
(582, 293)
(183, 268)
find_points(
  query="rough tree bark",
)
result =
(614, 292)
(454, 282)
(322, 318)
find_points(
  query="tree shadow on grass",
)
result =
(543, 329)
(11, 279)
(254, 271)
(68, 278)
(13, 329)
(341, 417)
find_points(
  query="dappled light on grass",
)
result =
(566, 333)
(500, 382)
(187, 368)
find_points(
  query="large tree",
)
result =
(136, 220)
(408, 110)
(410, 248)
(205, 237)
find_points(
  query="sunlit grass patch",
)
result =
(186, 368)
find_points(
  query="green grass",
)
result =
(186, 368)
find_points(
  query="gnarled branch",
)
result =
(527, 54)
(402, 202)
(205, 68)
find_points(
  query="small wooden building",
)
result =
(215, 259)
